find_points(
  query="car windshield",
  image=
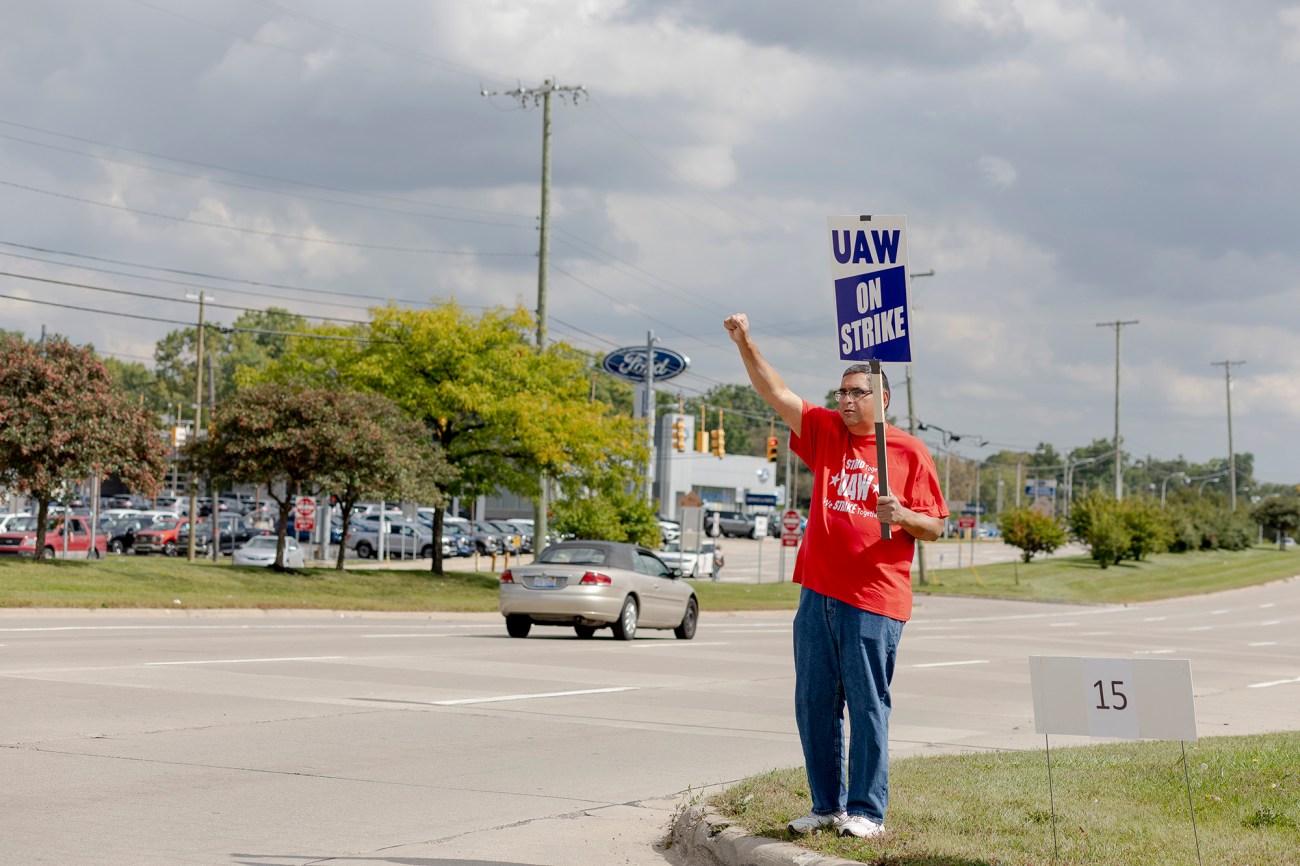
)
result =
(574, 556)
(22, 524)
(261, 541)
(164, 525)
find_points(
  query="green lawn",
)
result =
(1122, 804)
(154, 582)
(1079, 579)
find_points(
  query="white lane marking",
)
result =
(179, 627)
(1152, 652)
(245, 661)
(952, 664)
(1096, 633)
(1201, 628)
(1263, 643)
(1270, 604)
(418, 634)
(663, 644)
(1272, 622)
(500, 698)
(1217, 612)
(1155, 619)
(1061, 624)
(1273, 683)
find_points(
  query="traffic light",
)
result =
(679, 434)
(771, 449)
(719, 440)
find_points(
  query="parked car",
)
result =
(591, 585)
(669, 530)
(484, 542)
(19, 539)
(120, 533)
(165, 538)
(260, 550)
(235, 530)
(7, 519)
(402, 539)
(511, 539)
(707, 562)
(730, 523)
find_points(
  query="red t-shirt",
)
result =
(842, 554)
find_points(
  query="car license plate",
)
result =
(544, 581)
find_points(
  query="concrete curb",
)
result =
(702, 837)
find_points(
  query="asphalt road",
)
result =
(285, 739)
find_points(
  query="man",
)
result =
(857, 589)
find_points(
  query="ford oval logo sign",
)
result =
(630, 363)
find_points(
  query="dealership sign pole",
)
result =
(869, 270)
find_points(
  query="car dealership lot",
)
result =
(288, 737)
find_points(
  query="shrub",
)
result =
(1031, 531)
(1148, 527)
(1098, 522)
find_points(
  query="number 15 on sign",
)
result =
(1131, 699)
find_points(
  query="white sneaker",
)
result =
(861, 827)
(812, 822)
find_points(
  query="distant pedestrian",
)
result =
(857, 591)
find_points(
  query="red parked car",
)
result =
(20, 538)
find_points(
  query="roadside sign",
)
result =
(966, 522)
(791, 520)
(869, 271)
(304, 514)
(789, 539)
(760, 526)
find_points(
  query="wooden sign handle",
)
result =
(882, 465)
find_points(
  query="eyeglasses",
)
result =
(853, 394)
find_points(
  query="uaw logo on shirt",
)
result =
(851, 487)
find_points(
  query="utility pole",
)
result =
(542, 96)
(198, 423)
(1232, 455)
(1119, 455)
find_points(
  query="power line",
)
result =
(258, 232)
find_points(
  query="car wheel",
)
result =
(169, 548)
(586, 632)
(115, 546)
(426, 552)
(364, 550)
(686, 630)
(49, 553)
(518, 625)
(625, 625)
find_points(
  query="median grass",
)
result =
(1080, 580)
(154, 582)
(1116, 804)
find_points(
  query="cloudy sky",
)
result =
(1060, 164)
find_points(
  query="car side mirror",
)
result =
(675, 572)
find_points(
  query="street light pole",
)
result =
(1119, 455)
(1165, 482)
(198, 425)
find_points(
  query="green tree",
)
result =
(501, 412)
(1279, 515)
(375, 451)
(63, 420)
(1031, 531)
(255, 339)
(609, 511)
(290, 439)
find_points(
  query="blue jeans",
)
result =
(844, 655)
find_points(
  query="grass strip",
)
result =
(1116, 804)
(1080, 580)
(156, 581)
